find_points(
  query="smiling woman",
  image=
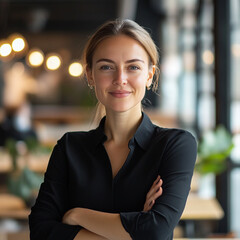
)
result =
(119, 78)
(105, 183)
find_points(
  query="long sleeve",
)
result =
(45, 220)
(176, 170)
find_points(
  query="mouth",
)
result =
(120, 93)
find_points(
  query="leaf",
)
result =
(213, 150)
(24, 184)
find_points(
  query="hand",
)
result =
(154, 192)
(71, 216)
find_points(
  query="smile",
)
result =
(120, 93)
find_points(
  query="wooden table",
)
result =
(12, 207)
(37, 163)
(202, 209)
(199, 209)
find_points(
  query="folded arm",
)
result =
(87, 235)
(107, 225)
(176, 170)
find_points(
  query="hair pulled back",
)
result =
(129, 28)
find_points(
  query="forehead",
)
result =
(120, 46)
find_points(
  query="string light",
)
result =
(5, 49)
(53, 62)
(18, 44)
(75, 69)
(35, 58)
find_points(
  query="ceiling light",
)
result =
(53, 62)
(75, 69)
(5, 49)
(18, 44)
(35, 58)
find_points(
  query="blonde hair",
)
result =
(125, 27)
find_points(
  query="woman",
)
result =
(105, 183)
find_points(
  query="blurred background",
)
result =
(43, 93)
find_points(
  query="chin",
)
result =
(118, 108)
(125, 108)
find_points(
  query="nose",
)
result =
(120, 77)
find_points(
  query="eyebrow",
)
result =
(111, 61)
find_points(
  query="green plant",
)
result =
(33, 146)
(23, 182)
(12, 150)
(213, 150)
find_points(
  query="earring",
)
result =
(148, 87)
(90, 86)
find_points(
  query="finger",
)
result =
(157, 180)
(151, 201)
(158, 193)
(154, 188)
(154, 192)
(148, 205)
(156, 184)
(155, 195)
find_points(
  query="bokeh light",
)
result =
(208, 57)
(235, 50)
(75, 69)
(35, 58)
(5, 49)
(18, 44)
(53, 62)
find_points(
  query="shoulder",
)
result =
(77, 135)
(177, 147)
(174, 136)
(77, 138)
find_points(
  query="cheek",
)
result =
(101, 85)
(140, 82)
(102, 80)
(140, 88)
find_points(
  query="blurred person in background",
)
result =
(128, 178)
(16, 123)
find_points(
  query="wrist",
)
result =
(73, 217)
(77, 214)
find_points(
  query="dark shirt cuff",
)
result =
(53, 230)
(128, 222)
(146, 225)
(64, 232)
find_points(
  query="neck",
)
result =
(120, 127)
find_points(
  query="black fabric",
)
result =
(79, 174)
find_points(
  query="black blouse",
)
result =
(79, 174)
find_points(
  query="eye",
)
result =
(133, 68)
(106, 67)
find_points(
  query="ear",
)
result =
(150, 75)
(89, 76)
